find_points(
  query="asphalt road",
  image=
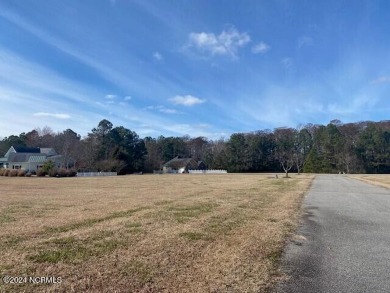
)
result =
(343, 243)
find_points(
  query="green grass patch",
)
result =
(163, 202)
(18, 208)
(138, 272)
(106, 246)
(194, 236)
(74, 250)
(184, 213)
(69, 250)
(90, 222)
(5, 218)
(225, 223)
(133, 227)
(11, 241)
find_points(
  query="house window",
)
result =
(16, 167)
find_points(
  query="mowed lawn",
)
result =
(149, 233)
(376, 179)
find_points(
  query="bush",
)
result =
(41, 173)
(6, 172)
(2, 171)
(62, 172)
(48, 167)
(53, 172)
(21, 173)
(13, 173)
(28, 174)
(71, 173)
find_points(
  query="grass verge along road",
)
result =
(150, 233)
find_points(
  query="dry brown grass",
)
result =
(150, 233)
(376, 179)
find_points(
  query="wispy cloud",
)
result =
(127, 98)
(157, 56)
(226, 43)
(162, 109)
(380, 80)
(187, 100)
(287, 62)
(53, 115)
(359, 104)
(260, 48)
(168, 111)
(304, 41)
(88, 58)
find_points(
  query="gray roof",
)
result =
(32, 155)
(25, 157)
(48, 151)
(178, 162)
(37, 159)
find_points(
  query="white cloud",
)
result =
(380, 80)
(187, 100)
(157, 56)
(110, 97)
(226, 43)
(127, 98)
(260, 48)
(53, 115)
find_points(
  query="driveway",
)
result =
(343, 243)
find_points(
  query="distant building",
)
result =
(182, 165)
(29, 159)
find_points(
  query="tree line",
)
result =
(361, 147)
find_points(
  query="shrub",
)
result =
(2, 171)
(62, 172)
(6, 172)
(48, 166)
(41, 172)
(21, 173)
(53, 172)
(71, 173)
(13, 173)
(28, 174)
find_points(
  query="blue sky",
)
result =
(203, 68)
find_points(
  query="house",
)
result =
(182, 165)
(29, 159)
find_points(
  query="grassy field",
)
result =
(376, 179)
(150, 233)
